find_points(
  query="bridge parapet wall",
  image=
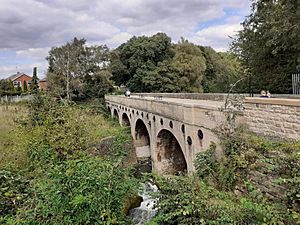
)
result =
(204, 116)
(273, 117)
(199, 96)
(209, 96)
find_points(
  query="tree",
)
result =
(138, 58)
(34, 87)
(182, 73)
(222, 70)
(153, 64)
(97, 84)
(6, 87)
(269, 43)
(72, 65)
(18, 89)
(189, 66)
(25, 89)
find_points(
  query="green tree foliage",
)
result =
(34, 86)
(183, 73)
(153, 64)
(189, 66)
(75, 68)
(25, 89)
(138, 58)
(6, 87)
(269, 44)
(97, 85)
(18, 89)
(222, 70)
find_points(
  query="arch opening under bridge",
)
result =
(142, 146)
(125, 120)
(169, 154)
(115, 114)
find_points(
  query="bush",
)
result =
(14, 191)
(249, 157)
(67, 185)
(59, 129)
(186, 200)
(83, 191)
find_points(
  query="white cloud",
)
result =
(217, 36)
(29, 27)
(36, 24)
(6, 71)
(118, 39)
(36, 53)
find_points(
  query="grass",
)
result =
(12, 155)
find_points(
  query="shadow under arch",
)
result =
(125, 120)
(142, 146)
(115, 115)
(170, 157)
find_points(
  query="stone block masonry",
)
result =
(273, 117)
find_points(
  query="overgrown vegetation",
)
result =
(67, 179)
(188, 200)
(63, 183)
(12, 153)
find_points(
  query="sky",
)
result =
(29, 28)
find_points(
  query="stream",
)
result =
(146, 211)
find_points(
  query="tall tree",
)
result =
(181, 73)
(73, 65)
(25, 88)
(269, 43)
(153, 64)
(34, 86)
(18, 89)
(134, 60)
(189, 65)
(222, 70)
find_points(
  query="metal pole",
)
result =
(68, 94)
(293, 84)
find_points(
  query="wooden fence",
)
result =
(17, 98)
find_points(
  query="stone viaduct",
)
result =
(169, 130)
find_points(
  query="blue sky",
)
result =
(29, 28)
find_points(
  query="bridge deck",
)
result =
(185, 102)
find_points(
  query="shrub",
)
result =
(14, 191)
(82, 191)
(186, 200)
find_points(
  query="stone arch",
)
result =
(142, 145)
(169, 154)
(125, 120)
(109, 110)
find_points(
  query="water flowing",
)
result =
(146, 211)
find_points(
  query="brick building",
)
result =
(19, 79)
